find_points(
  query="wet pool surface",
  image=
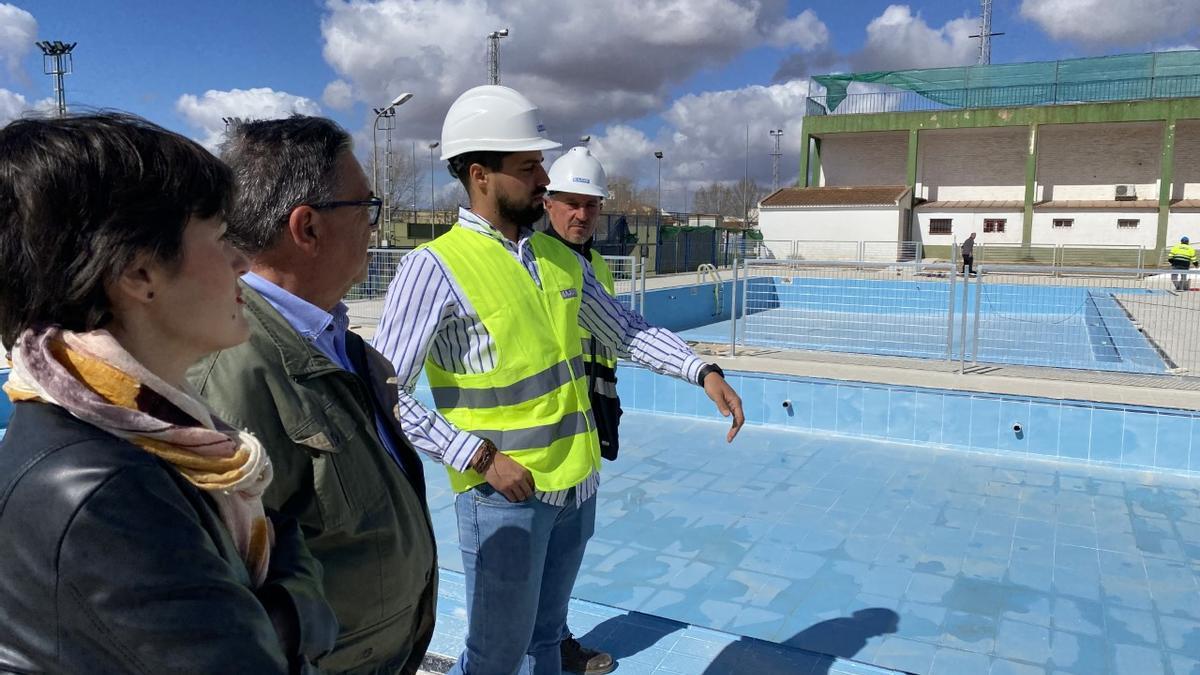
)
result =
(917, 558)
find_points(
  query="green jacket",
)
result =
(363, 518)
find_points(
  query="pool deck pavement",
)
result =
(1142, 390)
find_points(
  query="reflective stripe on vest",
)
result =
(531, 387)
(534, 404)
(1182, 253)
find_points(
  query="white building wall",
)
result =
(965, 222)
(780, 227)
(1187, 160)
(972, 163)
(1085, 161)
(870, 158)
(1184, 222)
(1096, 227)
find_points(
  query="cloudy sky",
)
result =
(687, 77)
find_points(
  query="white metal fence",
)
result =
(1050, 256)
(365, 300)
(1124, 320)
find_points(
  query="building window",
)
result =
(940, 225)
(1064, 222)
(994, 224)
(1127, 222)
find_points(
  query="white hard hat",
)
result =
(579, 172)
(495, 118)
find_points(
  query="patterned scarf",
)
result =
(96, 380)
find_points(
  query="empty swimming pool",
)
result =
(1016, 323)
(1040, 551)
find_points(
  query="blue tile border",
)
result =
(1139, 437)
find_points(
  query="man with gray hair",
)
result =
(318, 397)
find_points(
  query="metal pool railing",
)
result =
(1124, 320)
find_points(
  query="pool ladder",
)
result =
(703, 272)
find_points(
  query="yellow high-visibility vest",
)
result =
(1182, 253)
(534, 404)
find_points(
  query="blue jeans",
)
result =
(520, 561)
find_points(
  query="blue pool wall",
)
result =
(683, 307)
(1137, 437)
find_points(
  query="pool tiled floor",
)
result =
(914, 558)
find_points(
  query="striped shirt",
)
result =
(427, 314)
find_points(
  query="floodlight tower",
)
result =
(494, 54)
(985, 33)
(58, 62)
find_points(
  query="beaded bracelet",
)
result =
(485, 462)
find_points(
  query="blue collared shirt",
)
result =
(325, 331)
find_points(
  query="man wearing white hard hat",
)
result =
(492, 311)
(574, 196)
(578, 186)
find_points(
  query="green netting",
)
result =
(669, 232)
(754, 234)
(1105, 78)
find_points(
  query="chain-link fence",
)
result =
(1119, 320)
(860, 307)
(365, 300)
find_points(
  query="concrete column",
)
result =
(911, 173)
(1166, 176)
(805, 151)
(816, 164)
(1031, 155)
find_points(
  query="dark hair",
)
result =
(279, 165)
(460, 165)
(80, 198)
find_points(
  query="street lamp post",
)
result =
(387, 113)
(658, 155)
(432, 201)
(776, 134)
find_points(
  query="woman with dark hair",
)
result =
(133, 532)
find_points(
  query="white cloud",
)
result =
(805, 31)
(205, 112)
(12, 105)
(1101, 23)
(18, 30)
(897, 40)
(705, 139)
(338, 95)
(598, 62)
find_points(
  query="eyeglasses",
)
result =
(374, 206)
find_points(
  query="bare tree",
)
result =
(407, 179)
(729, 199)
(626, 197)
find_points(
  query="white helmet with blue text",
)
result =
(493, 118)
(579, 172)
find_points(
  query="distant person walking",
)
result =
(1182, 256)
(968, 255)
